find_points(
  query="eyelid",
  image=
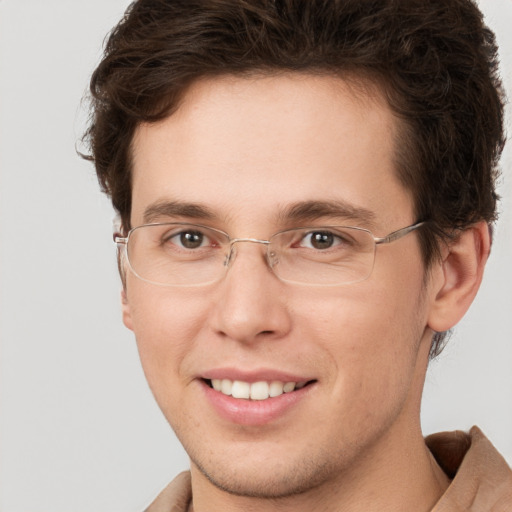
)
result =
(180, 230)
(224, 238)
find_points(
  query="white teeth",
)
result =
(257, 390)
(226, 386)
(276, 388)
(241, 389)
(288, 387)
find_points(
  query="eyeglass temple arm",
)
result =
(119, 239)
(395, 235)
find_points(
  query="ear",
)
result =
(461, 272)
(125, 307)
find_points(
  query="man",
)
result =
(305, 190)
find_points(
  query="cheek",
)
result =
(370, 338)
(359, 319)
(166, 324)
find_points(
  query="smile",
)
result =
(255, 398)
(261, 390)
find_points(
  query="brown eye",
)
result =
(320, 240)
(186, 239)
(191, 239)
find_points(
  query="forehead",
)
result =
(240, 144)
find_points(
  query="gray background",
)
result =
(79, 429)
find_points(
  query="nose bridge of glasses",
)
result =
(230, 257)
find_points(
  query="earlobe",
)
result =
(125, 306)
(461, 272)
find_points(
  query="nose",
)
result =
(251, 302)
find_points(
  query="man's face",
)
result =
(247, 150)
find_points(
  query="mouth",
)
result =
(261, 390)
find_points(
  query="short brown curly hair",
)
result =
(435, 60)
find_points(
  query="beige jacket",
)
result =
(481, 479)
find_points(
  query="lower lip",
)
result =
(253, 412)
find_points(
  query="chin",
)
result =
(268, 479)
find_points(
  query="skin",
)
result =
(246, 149)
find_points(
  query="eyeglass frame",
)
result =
(389, 238)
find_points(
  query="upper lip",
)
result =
(267, 375)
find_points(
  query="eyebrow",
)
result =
(296, 213)
(162, 209)
(305, 211)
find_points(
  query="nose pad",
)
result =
(272, 258)
(230, 256)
